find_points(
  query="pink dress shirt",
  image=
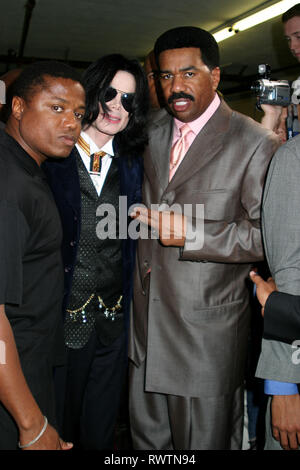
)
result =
(195, 125)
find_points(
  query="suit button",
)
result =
(73, 243)
(67, 269)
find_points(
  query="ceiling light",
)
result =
(255, 19)
(224, 34)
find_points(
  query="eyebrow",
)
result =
(292, 34)
(185, 69)
(58, 98)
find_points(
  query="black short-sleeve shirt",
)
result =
(31, 272)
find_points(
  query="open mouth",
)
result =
(181, 104)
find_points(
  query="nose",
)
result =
(294, 44)
(178, 83)
(70, 120)
(115, 103)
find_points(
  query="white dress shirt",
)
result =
(97, 179)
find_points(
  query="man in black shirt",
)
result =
(47, 107)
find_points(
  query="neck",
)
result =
(99, 138)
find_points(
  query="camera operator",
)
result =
(275, 116)
(275, 119)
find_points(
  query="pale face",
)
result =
(116, 119)
(292, 34)
(182, 71)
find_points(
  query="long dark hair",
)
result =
(97, 78)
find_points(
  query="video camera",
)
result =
(274, 92)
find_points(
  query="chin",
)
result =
(183, 118)
(61, 154)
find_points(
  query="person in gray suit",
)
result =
(190, 314)
(277, 361)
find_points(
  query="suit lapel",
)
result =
(156, 159)
(205, 146)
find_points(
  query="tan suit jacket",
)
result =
(190, 315)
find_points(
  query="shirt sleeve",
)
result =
(273, 387)
(13, 233)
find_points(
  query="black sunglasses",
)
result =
(126, 98)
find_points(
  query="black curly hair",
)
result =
(33, 78)
(35, 74)
(189, 36)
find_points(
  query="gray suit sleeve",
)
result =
(281, 233)
(236, 241)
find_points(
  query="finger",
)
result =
(165, 225)
(136, 211)
(153, 218)
(293, 442)
(283, 440)
(276, 433)
(271, 283)
(142, 218)
(140, 213)
(65, 445)
(256, 278)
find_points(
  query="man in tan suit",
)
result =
(190, 310)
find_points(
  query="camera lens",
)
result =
(256, 87)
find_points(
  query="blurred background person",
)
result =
(155, 91)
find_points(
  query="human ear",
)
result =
(17, 107)
(215, 74)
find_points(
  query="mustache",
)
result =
(181, 94)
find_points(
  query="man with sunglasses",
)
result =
(104, 165)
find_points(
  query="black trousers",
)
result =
(88, 393)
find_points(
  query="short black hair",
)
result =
(97, 78)
(34, 76)
(291, 13)
(189, 36)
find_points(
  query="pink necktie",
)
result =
(179, 150)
